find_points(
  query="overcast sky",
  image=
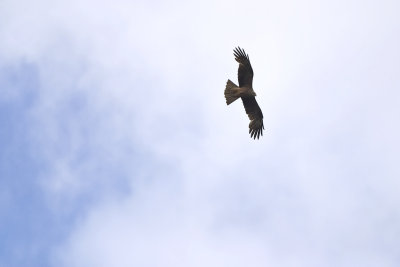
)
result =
(117, 147)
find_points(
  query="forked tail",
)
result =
(231, 92)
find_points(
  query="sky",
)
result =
(117, 147)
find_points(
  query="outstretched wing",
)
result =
(245, 72)
(254, 112)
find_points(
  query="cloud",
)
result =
(151, 167)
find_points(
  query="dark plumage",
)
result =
(246, 93)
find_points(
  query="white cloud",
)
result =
(131, 94)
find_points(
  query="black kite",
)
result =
(246, 93)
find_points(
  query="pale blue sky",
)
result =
(117, 147)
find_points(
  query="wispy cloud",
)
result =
(138, 162)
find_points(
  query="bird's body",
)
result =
(246, 93)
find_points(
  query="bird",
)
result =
(246, 93)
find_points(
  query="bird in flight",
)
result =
(246, 93)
